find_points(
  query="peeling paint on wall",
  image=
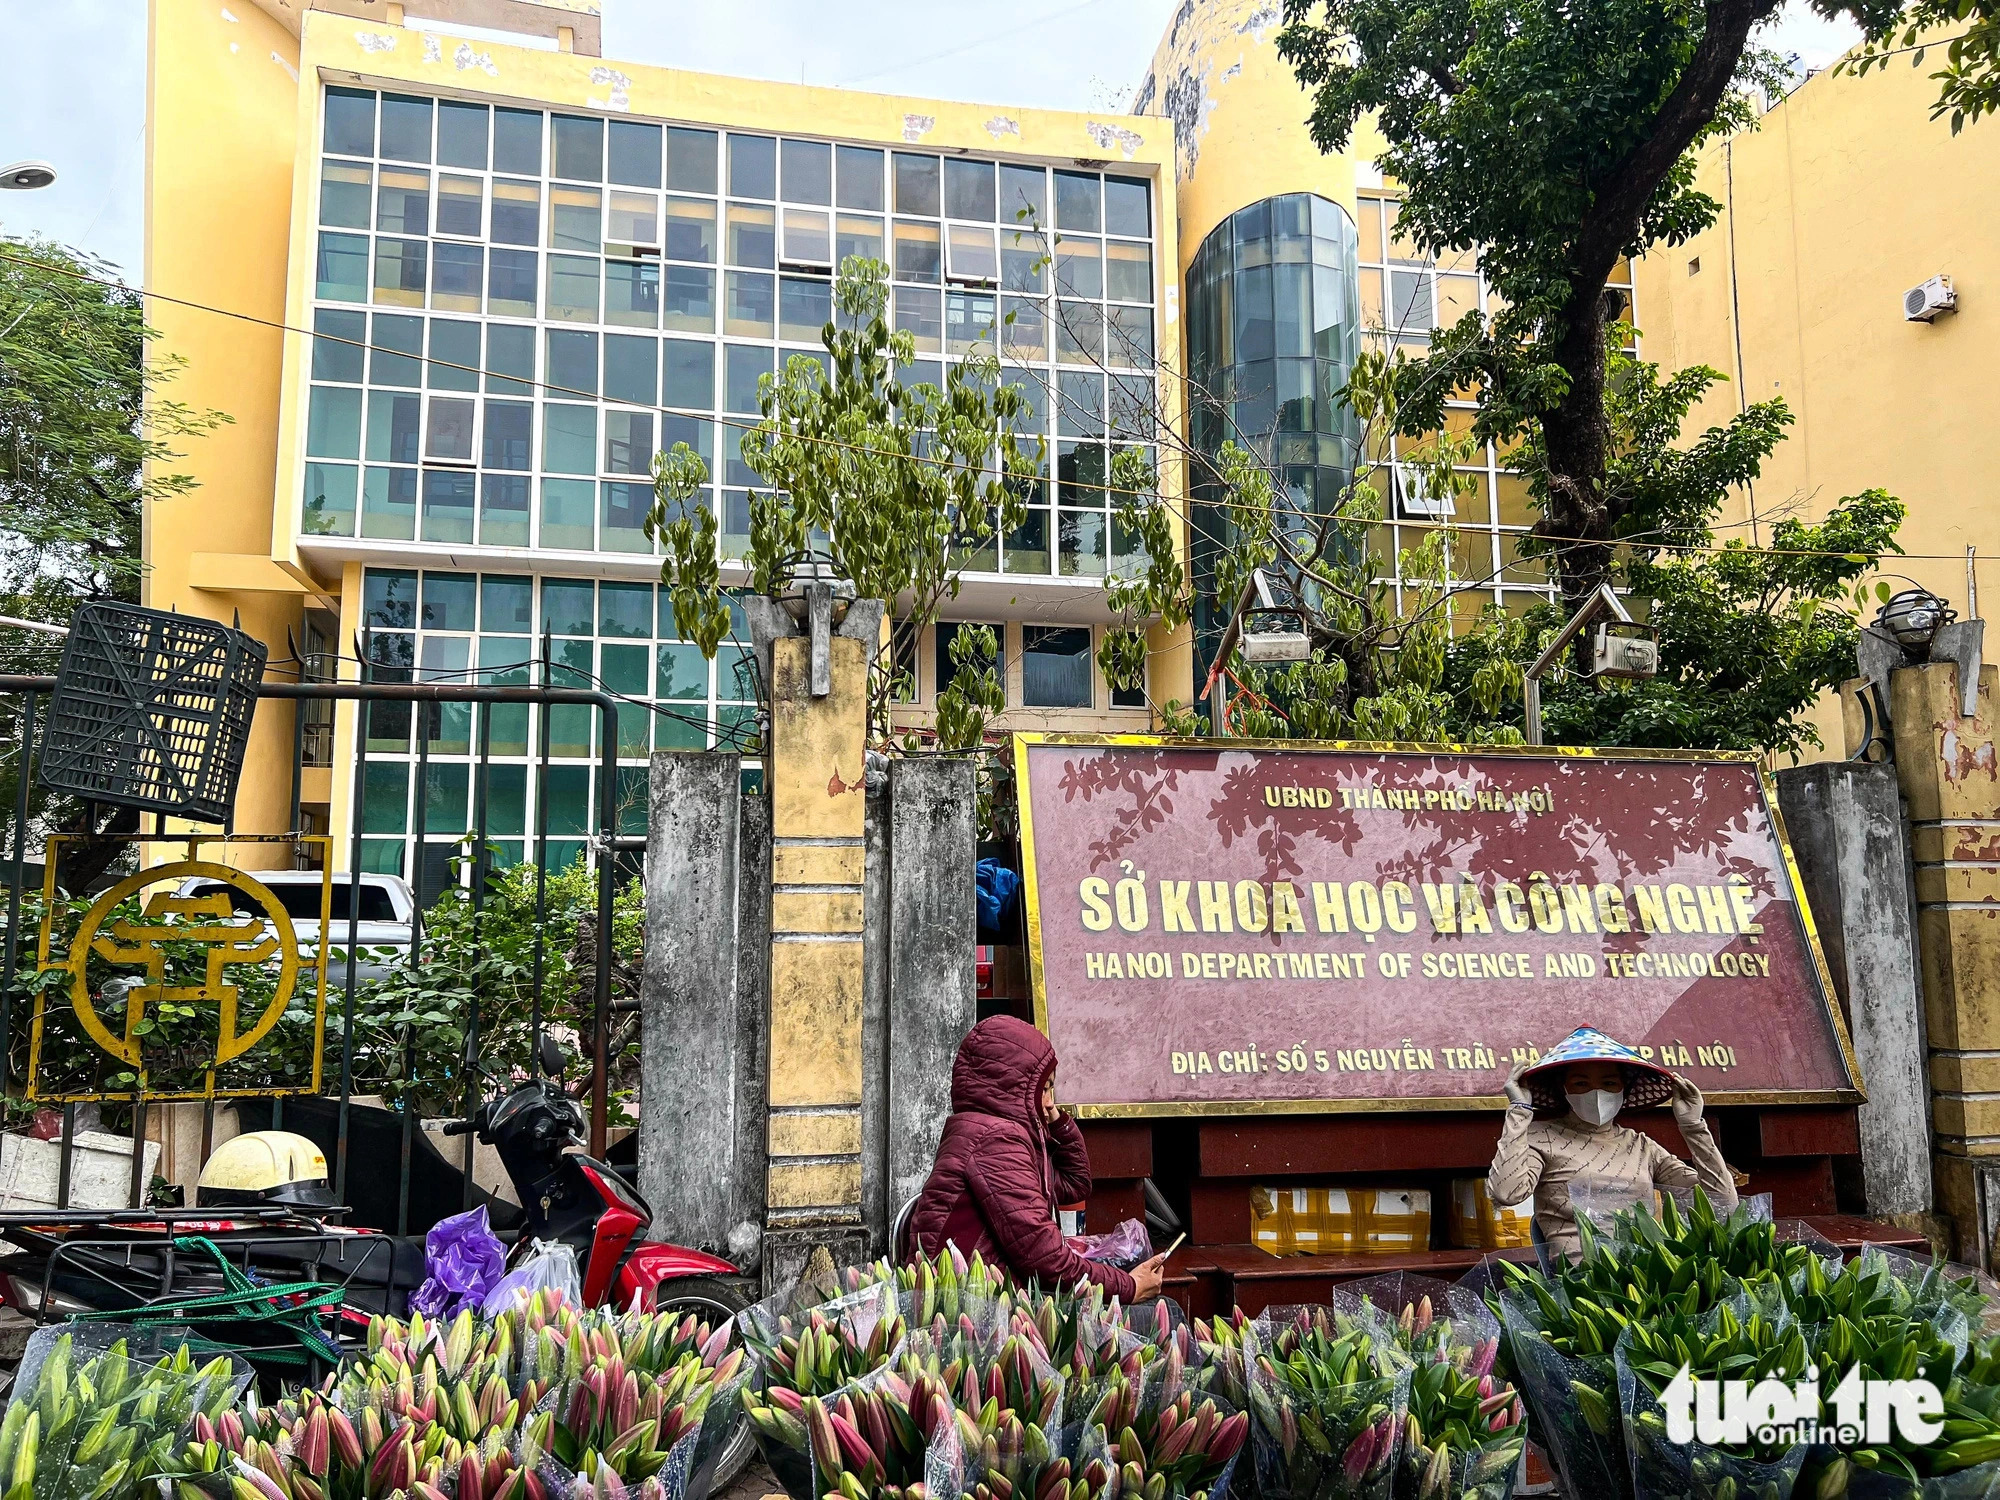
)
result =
(229, 17)
(465, 58)
(1231, 71)
(1181, 17)
(233, 48)
(916, 127)
(372, 41)
(1259, 21)
(1000, 125)
(1142, 103)
(1188, 104)
(1107, 136)
(620, 85)
(433, 49)
(289, 69)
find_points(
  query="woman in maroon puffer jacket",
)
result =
(1008, 1157)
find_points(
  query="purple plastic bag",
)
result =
(1123, 1247)
(462, 1260)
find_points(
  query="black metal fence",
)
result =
(331, 1115)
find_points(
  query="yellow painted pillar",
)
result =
(816, 770)
(1946, 763)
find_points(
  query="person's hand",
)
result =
(1051, 1112)
(1147, 1278)
(1517, 1091)
(1687, 1101)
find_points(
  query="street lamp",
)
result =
(23, 176)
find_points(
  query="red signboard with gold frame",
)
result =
(1239, 927)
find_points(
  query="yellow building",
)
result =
(1847, 197)
(457, 278)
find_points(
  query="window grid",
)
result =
(1405, 294)
(488, 628)
(600, 270)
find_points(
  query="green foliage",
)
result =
(974, 695)
(1750, 636)
(1969, 81)
(897, 485)
(1552, 139)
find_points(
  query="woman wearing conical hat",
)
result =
(1561, 1145)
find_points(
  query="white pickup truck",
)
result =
(387, 906)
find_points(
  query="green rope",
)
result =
(288, 1306)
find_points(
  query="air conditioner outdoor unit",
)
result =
(1622, 648)
(1923, 304)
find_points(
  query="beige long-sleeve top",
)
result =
(1550, 1159)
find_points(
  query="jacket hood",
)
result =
(1001, 1067)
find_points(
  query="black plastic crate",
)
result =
(152, 710)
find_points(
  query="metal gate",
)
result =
(22, 703)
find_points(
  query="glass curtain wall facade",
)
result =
(517, 308)
(1274, 326)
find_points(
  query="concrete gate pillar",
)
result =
(1949, 767)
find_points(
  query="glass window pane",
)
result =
(344, 194)
(1130, 338)
(448, 501)
(918, 313)
(628, 442)
(688, 299)
(635, 153)
(350, 122)
(569, 514)
(1024, 329)
(448, 429)
(1055, 666)
(623, 524)
(396, 342)
(1024, 260)
(1080, 475)
(859, 170)
(1024, 195)
(572, 296)
(506, 607)
(1026, 548)
(696, 432)
(690, 374)
(454, 361)
(753, 166)
(691, 230)
(341, 270)
(568, 606)
(406, 128)
(1080, 268)
(751, 312)
(394, 420)
(457, 272)
(510, 351)
(574, 218)
(632, 292)
(577, 148)
(856, 236)
(339, 344)
(510, 283)
(916, 184)
(690, 160)
(517, 141)
(682, 672)
(1080, 403)
(403, 201)
(572, 363)
(808, 172)
(808, 240)
(805, 307)
(916, 251)
(946, 668)
(328, 508)
(631, 369)
(1077, 202)
(1079, 332)
(399, 272)
(973, 253)
(508, 441)
(333, 423)
(461, 134)
(969, 190)
(1080, 544)
(626, 610)
(517, 211)
(569, 439)
(634, 219)
(968, 323)
(389, 504)
(389, 599)
(1128, 206)
(1128, 271)
(753, 238)
(744, 364)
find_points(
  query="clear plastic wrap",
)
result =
(1328, 1406)
(1665, 1470)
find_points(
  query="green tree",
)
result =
(1749, 636)
(1969, 82)
(898, 485)
(1554, 139)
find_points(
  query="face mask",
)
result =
(1597, 1106)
